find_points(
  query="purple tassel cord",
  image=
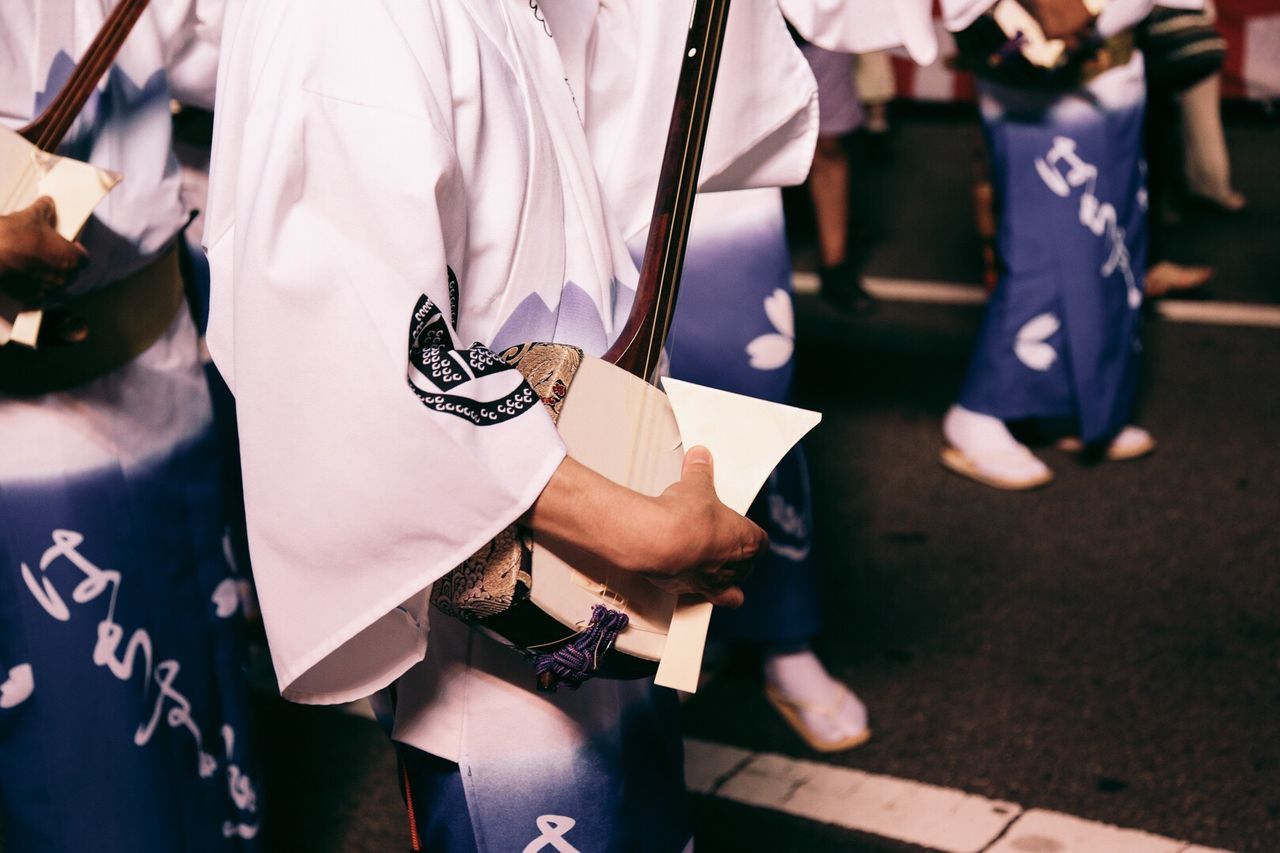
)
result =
(575, 662)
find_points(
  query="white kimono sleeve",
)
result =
(959, 14)
(377, 453)
(863, 26)
(1119, 15)
(191, 31)
(623, 58)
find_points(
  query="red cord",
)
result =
(414, 838)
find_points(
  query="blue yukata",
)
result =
(1059, 341)
(123, 716)
(123, 703)
(734, 329)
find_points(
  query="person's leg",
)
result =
(782, 617)
(1021, 320)
(839, 114)
(734, 329)
(1207, 163)
(829, 189)
(1165, 150)
(841, 282)
(876, 87)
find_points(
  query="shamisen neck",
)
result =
(638, 348)
(51, 126)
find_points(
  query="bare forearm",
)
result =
(684, 540)
(584, 515)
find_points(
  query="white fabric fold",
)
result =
(623, 57)
(330, 219)
(171, 51)
(863, 26)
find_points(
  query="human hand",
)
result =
(700, 545)
(36, 263)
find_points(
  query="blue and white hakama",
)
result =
(123, 708)
(1060, 338)
(123, 702)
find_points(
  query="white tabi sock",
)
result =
(987, 443)
(829, 709)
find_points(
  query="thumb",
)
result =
(698, 466)
(43, 210)
(60, 254)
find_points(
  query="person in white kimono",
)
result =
(123, 704)
(402, 188)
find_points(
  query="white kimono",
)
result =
(127, 128)
(364, 156)
(360, 154)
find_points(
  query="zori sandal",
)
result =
(1015, 470)
(1130, 443)
(794, 711)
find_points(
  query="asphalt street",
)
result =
(1108, 647)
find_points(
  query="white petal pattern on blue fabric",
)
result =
(773, 350)
(777, 307)
(769, 352)
(18, 687)
(226, 598)
(1030, 344)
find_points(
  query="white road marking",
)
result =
(904, 290)
(929, 816)
(1038, 830)
(1220, 313)
(948, 293)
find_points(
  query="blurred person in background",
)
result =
(1186, 148)
(840, 113)
(735, 330)
(876, 89)
(1197, 53)
(1059, 342)
(123, 705)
